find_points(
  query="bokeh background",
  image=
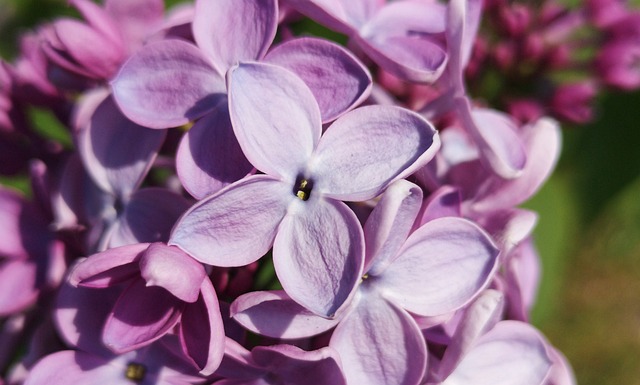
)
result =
(588, 233)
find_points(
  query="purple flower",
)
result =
(317, 240)
(162, 288)
(435, 270)
(170, 83)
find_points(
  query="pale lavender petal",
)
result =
(275, 117)
(522, 276)
(419, 59)
(136, 18)
(444, 202)
(170, 268)
(336, 78)
(167, 84)
(442, 266)
(380, 344)
(275, 314)
(390, 223)
(370, 147)
(148, 216)
(501, 149)
(478, 318)
(542, 140)
(235, 226)
(18, 285)
(509, 227)
(318, 254)
(293, 365)
(140, 316)
(209, 156)
(72, 367)
(202, 331)
(89, 272)
(116, 152)
(334, 13)
(406, 17)
(561, 372)
(512, 353)
(231, 31)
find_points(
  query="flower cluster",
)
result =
(233, 201)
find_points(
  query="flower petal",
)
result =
(512, 353)
(74, 367)
(337, 78)
(380, 344)
(318, 254)
(117, 153)
(202, 331)
(231, 31)
(140, 316)
(444, 202)
(19, 285)
(275, 314)
(370, 147)
(137, 19)
(209, 156)
(390, 223)
(335, 13)
(275, 117)
(442, 266)
(167, 84)
(90, 272)
(235, 226)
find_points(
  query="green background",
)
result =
(588, 234)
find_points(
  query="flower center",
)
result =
(135, 372)
(303, 188)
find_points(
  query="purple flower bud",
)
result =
(572, 102)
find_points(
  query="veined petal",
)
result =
(237, 225)
(275, 314)
(231, 31)
(319, 254)
(380, 344)
(442, 266)
(390, 223)
(463, 18)
(407, 17)
(209, 156)
(337, 79)
(167, 84)
(140, 316)
(512, 353)
(275, 117)
(370, 147)
(116, 152)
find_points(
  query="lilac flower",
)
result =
(151, 365)
(164, 288)
(434, 271)
(402, 37)
(279, 364)
(172, 82)
(317, 240)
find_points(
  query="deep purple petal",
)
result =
(390, 223)
(18, 285)
(337, 79)
(116, 152)
(292, 365)
(104, 269)
(170, 268)
(148, 216)
(140, 316)
(231, 31)
(442, 266)
(380, 344)
(209, 156)
(275, 314)
(370, 147)
(202, 331)
(335, 13)
(167, 84)
(235, 226)
(275, 117)
(318, 254)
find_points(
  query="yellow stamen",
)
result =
(135, 372)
